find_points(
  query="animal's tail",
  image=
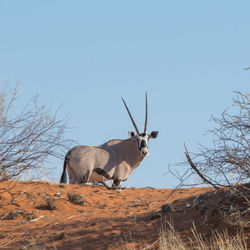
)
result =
(64, 175)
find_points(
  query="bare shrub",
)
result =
(27, 135)
(226, 164)
(228, 161)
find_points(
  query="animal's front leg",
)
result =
(121, 174)
(116, 184)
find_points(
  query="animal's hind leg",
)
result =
(72, 175)
(85, 177)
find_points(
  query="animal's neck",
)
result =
(125, 150)
(135, 154)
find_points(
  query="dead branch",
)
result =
(196, 169)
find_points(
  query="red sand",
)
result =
(104, 219)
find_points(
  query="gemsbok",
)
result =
(115, 159)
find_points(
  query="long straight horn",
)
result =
(146, 116)
(136, 128)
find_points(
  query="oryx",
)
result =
(115, 159)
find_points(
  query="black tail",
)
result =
(64, 175)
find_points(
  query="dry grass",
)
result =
(170, 239)
(223, 240)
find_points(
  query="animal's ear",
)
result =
(153, 134)
(131, 134)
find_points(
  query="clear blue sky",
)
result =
(188, 55)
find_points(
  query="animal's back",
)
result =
(111, 143)
(79, 152)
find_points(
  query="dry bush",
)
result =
(228, 161)
(27, 135)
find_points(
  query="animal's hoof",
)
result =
(114, 187)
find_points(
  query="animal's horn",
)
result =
(146, 116)
(136, 128)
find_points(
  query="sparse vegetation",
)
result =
(170, 239)
(224, 165)
(27, 135)
(227, 162)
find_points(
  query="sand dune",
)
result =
(37, 215)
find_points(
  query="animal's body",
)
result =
(115, 159)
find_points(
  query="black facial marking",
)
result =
(143, 144)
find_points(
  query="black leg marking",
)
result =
(116, 184)
(102, 172)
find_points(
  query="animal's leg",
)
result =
(121, 174)
(72, 175)
(116, 184)
(85, 177)
(106, 185)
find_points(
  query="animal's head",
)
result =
(142, 138)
